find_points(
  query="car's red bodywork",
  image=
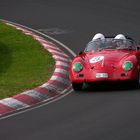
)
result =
(106, 65)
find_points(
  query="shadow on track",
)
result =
(108, 87)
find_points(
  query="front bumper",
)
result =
(91, 76)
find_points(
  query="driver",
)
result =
(97, 39)
(120, 41)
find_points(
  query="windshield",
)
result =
(110, 43)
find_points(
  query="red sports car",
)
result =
(106, 59)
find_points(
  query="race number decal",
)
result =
(96, 59)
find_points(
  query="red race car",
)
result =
(106, 59)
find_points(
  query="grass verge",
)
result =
(24, 63)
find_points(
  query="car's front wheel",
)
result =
(136, 83)
(77, 86)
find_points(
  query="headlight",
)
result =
(77, 67)
(128, 65)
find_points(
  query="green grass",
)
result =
(24, 64)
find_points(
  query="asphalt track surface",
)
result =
(102, 114)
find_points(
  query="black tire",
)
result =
(136, 84)
(77, 86)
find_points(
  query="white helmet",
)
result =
(98, 36)
(120, 36)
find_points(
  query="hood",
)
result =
(106, 57)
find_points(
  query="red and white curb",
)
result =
(57, 86)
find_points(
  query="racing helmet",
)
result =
(98, 36)
(120, 36)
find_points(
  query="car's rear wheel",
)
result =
(77, 86)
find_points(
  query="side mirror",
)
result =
(138, 48)
(80, 52)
